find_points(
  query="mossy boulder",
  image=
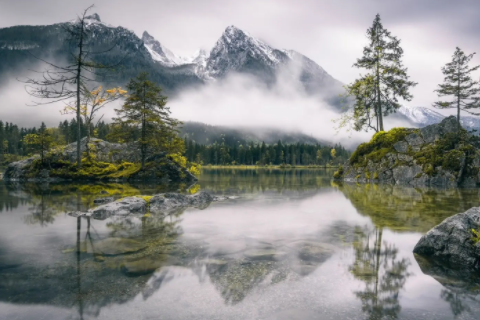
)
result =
(437, 155)
(107, 161)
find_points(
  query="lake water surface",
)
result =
(287, 245)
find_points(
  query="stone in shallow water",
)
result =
(143, 266)
(264, 254)
(315, 252)
(123, 206)
(115, 246)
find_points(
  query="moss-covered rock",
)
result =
(437, 155)
(107, 161)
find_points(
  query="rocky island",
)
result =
(107, 161)
(437, 155)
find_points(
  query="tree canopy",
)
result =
(458, 84)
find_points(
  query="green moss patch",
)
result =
(381, 144)
(339, 173)
(90, 169)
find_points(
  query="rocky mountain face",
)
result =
(436, 155)
(235, 52)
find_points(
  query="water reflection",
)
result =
(287, 231)
(384, 275)
(408, 209)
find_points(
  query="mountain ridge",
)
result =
(234, 52)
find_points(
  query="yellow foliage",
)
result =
(194, 189)
(179, 159)
(195, 169)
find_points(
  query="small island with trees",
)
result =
(443, 154)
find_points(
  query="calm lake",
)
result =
(285, 245)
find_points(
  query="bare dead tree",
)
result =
(69, 82)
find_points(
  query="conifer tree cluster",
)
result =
(263, 154)
(380, 91)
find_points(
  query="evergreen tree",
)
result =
(378, 92)
(39, 142)
(145, 111)
(459, 84)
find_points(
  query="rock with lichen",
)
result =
(438, 155)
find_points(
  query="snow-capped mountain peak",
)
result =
(421, 115)
(160, 53)
(236, 48)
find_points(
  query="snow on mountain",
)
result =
(160, 53)
(421, 115)
(235, 49)
(424, 116)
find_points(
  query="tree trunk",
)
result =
(79, 70)
(458, 106)
(143, 149)
(87, 142)
(378, 249)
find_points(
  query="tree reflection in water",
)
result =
(384, 275)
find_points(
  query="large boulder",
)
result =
(451, 242)
(438, 155)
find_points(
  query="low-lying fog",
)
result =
(238, 101)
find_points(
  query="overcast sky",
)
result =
(332, 33)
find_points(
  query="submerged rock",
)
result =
(142, 266)
(437, 155)
(451, 242)
(115, 246)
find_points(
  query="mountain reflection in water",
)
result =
(292, 245)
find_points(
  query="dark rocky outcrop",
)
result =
(452, 243)
(436, 155)
(110, 161)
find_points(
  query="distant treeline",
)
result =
(13, 146)
(262, 154)
(225, 153)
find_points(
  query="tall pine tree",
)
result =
(459, 84)
(145, 113)
(378, 92)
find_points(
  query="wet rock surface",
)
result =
(451, 242)
(164, 203)
(172, 201)
(122, 207)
